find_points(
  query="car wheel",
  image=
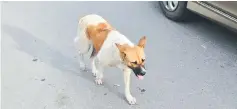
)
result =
(174, 10)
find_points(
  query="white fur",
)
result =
(108, 56)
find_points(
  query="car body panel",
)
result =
(216, 14)
(229, 7)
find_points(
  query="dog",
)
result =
(110, 49)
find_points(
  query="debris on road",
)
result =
(117, 85)
(52, 85)
(105, 93)
(222, 66)
(35, 59)
(142, 90)
(203, 46)
(43, 79)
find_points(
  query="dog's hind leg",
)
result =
(82, 45)
(97, 70)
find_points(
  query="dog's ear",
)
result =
(142, 42)
(120, 47)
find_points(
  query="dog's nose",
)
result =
(143, 71)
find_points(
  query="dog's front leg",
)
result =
(129, 97)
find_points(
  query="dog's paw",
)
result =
(83, 67)
(98, 81)
(94, 73)
(131, 100)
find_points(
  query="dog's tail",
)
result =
(81, 27)
(82, 33)
(81, 41)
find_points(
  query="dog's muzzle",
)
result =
(139, 71)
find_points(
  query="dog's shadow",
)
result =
(40, 49)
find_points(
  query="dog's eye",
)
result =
(134, 62)
(143, 60)
(124, 54)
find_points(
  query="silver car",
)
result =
(223, 12)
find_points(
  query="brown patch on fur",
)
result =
(97, 34)
(133, 56)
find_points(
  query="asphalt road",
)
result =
(190, 65)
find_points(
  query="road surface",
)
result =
(190, 65)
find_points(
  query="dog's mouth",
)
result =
(139, 72)
(140, 77)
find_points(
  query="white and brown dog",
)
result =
(110, 49)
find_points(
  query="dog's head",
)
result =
(134, 57)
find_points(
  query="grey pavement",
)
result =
(191, 65)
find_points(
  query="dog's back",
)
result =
(93, 28)
(91, 19)
(96, 31)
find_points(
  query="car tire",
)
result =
(180, 13)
